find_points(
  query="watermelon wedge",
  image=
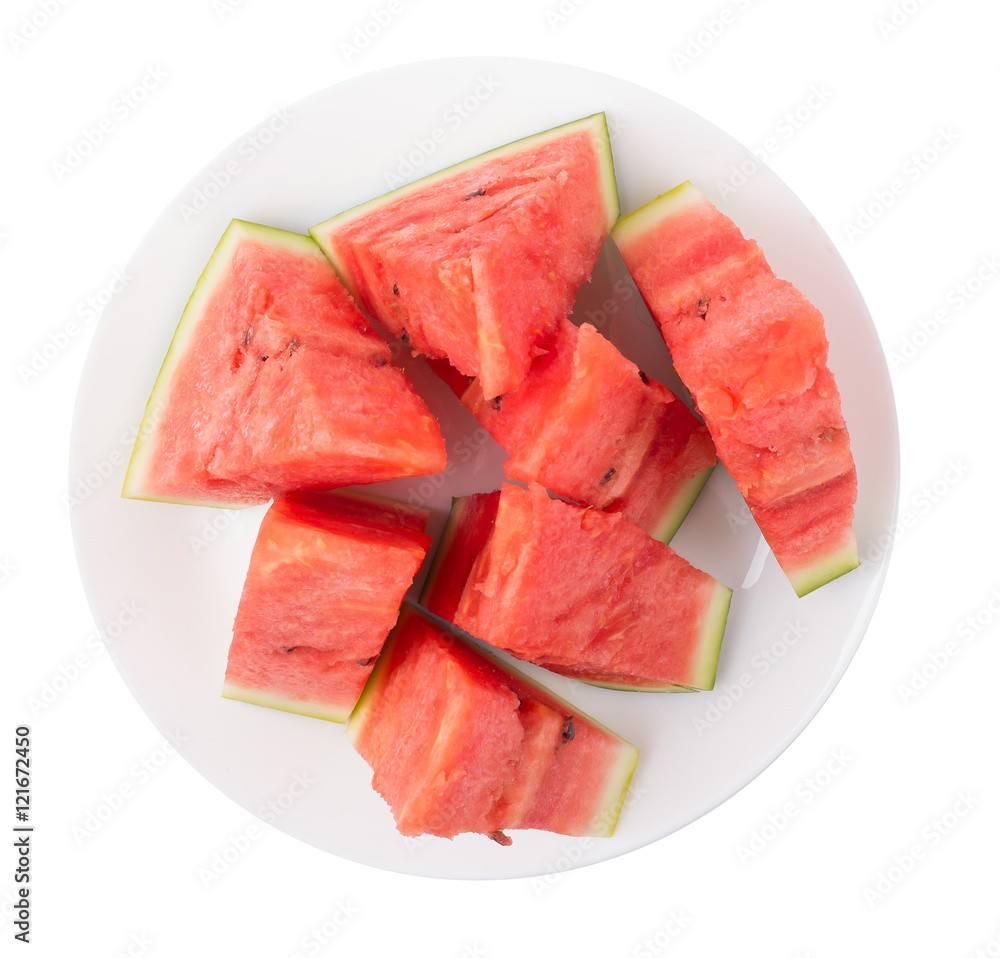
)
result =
(579, 591)
(460, 743)
(327, 577)
(753, 352)
(590, 426)
(477, 263)
(275, 381)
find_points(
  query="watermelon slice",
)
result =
(477, 263)
(459, 743)
(274, 381)
(590, 426)
(327, 577)
(753, 352)
(578, 591)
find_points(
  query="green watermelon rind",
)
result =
(714, 620)
(619, 778)
(653, 213)
(712, 633)
(321, 708)
(451, 526)
(605, 820)
(682, 503)
(215, 270)
(285, 703)
(825, 569)
(706, 663)
(598, 125)
(838, 560)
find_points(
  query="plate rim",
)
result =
(470, 64)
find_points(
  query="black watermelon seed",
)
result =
(476, 193)
(405, 339)
(379, 360)
(607, 476)
(395, 289)
(568, 730)
(496, 402)
(285, 651)
(703, 305)
(262, 359)
(644, 377)
(364, 663)
(248, 336)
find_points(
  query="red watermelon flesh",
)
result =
(588, 425)
(460, 743)
(276, 382)
(477, 263)
(327, 576)
(543, 732)
(753, 352)
(579, 591)
(465, 535)
(671, 476)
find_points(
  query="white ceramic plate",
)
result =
(184, 566)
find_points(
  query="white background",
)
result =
(896, 80)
